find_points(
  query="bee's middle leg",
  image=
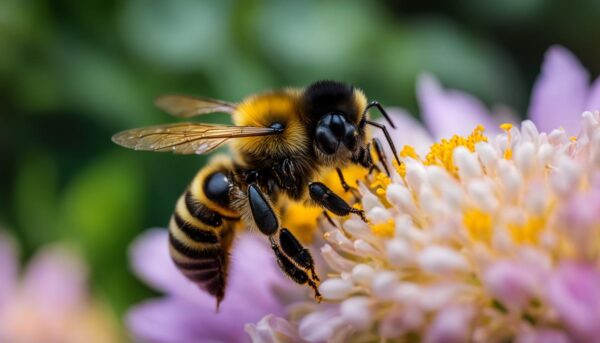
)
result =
(326, 198)
(293, 259)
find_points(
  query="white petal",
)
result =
(362, 274)
(545, 154)
(483, 195)
(511, 179)
(565, 177)
(467, 163)
(442, 260)
(525, 157)
(488, 156)
(357, 312)
(364, 248)
(384, 284)
(336, 289)
(379, 215)
(529, 132)
(334, 260)
(400, 197)
(590, 122)
(319, 326)
(399, 252)
(415, 175)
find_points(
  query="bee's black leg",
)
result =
(297, 275)
(293, 259)
(381, 155)
(262, 212)
(328, 217)
(296, 252)
(387, 137)
(345, 185)
(323, 196)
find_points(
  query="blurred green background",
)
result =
(72, 73)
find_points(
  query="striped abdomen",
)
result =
(201, 231)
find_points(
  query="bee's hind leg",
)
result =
(326, 198)
(293, 259)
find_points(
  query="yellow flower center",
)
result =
(528, 232)
(478, 225)
(440, 154)
(385, 229)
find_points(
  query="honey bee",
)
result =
(282, 141)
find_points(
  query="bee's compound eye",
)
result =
(216, 188)
(277, 126)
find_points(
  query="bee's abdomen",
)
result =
(200, 237)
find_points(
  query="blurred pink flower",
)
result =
(256, 287)
(50, 303)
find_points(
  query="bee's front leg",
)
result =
(326, 198)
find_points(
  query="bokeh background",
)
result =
(72, 73)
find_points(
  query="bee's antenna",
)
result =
(387, 137)
(383, 112)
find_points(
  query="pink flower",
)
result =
(187, 314)
(51, 302)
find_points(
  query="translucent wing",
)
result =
(187, 106)
(186, 138)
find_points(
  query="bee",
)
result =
(282, 142)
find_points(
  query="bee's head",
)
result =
(334, 132)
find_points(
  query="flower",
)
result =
(481, 239)
(256, 287)
(51, 302)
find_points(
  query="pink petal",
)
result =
(9, 268)
(574, 293)
(176, 320)
(408, 131)
(449, 112)
(150, 260)
(451, 324)
(56, 279)
(544, 335)
(593, 101)
(560, 92)
(511, 283)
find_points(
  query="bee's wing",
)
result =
(186, 138)
(186, 106)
